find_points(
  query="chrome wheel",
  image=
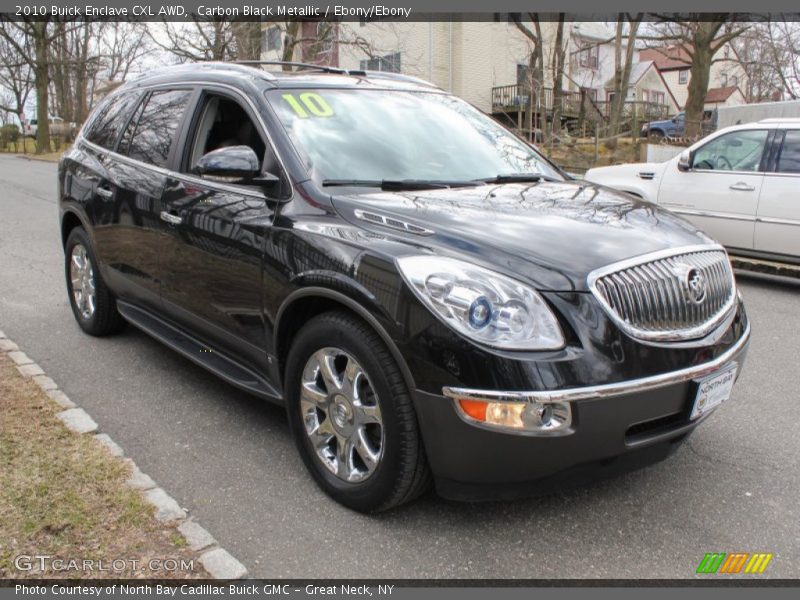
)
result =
(81, 277)
(341, 415)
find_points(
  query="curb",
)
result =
(217, 561)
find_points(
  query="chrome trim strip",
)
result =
(598, 392)
(714, 215)
(391, 222)
(667, 336)
(776, 221)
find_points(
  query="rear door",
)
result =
(720, 191)
(132, 231)
(778, 217)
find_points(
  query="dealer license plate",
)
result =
(713, 391)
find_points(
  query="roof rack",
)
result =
(299, 65)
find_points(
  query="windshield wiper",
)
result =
(517, 178)
(397, 184)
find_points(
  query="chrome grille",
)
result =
(680, 294)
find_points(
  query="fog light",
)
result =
(521, 416)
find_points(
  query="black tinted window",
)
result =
(789, 161)
(155, 130)
(127, 135)
(111, 117)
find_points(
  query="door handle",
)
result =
(170, 218)
(742, 187)
(104, 192)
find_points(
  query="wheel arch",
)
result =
(69, 221)
(308, 302)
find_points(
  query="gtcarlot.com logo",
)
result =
(734, 562)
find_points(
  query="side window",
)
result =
(735, 151)
(154, 131)
(223, 122)
(789, 159)
(127, 135)
(110, 119)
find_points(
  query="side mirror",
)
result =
(685, 161)
(234, 164)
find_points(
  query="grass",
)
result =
(64, 495)
(26, 145)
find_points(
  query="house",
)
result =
(647, 91)
(725, 96)
(674, 64)
(486, 63)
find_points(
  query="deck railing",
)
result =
(517, 97)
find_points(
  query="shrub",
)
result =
(9, 134)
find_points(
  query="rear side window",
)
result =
(151, 135)
(106, 126)
(789, 160)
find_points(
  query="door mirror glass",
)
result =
(685, 161)
(234, 164)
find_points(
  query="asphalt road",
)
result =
(229, 459)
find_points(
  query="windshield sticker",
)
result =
(308, 105)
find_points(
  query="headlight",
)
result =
(482, 305)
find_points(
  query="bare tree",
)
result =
(30, 41)
(535, 63)
(700, 37)
(210, 39)
(122, 45)
(16, 78)
(622, 70)
(558, 61)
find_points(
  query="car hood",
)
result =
(552, 234)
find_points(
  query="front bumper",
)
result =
(614, 428)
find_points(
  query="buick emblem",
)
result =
(695, 284)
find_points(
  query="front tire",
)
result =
(93, 304)
(352, 416)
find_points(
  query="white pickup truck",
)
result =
(58, 126)
(741, 185)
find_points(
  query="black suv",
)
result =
(431, 298)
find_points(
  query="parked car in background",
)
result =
(430, 298)
(739, 185)
(675, 127)
(58, 127)
(657, 130)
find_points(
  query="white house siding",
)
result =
(722, 73)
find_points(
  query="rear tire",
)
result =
(352, 416)
(93, 304)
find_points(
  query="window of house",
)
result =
(272, 38)
(655, 97)
(589, 56)
(153, 133)
(724, 79)
(111, 118)
(390, 63)
(683, 76)
(789, 159)
(734, 80)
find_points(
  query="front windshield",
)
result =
(378, 135)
